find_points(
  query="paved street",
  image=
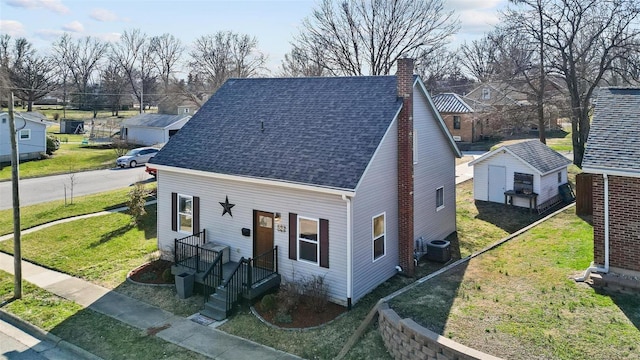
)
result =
(36, 190)
(15, 344)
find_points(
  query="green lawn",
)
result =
(518, 300)
(38, 214)
(69, 158)
(94, 332)
(100, 249)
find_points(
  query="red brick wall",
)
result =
(624, 222)
(405, 165)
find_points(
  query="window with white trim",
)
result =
(379, 231)
(308, 239)
(185, 213)
(559, 177)
(440, 198)
(486, 93)
(25, 134)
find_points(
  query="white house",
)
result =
(526, 174)
(32, 136)
(341, 174)
(151, 129)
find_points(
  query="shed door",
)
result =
(497, 183)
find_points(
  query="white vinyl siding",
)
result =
(376, 194)
(432, 222)
(32, 139)
(148, 136)
(247, 198)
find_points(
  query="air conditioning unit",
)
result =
(457, 138)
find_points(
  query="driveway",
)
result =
(49, 188)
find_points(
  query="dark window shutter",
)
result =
(174, 211)
(293, 236)
(324, 243)
(196, 214)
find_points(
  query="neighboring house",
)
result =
(526, 174)
(460, 118)
(341, 174)
(32, 135)
(612, 155)
(150, 129)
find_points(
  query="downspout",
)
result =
(604, 269)
(349, 253)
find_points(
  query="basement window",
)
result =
(522, 183)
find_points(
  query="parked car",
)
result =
(136, 157)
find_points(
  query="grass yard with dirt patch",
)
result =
(94, 332)
(517, 301)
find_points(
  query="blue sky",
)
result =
(272, 22)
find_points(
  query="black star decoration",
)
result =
(226, 206)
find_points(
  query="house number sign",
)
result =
(281, 228)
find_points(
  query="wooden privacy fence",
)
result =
(584, 196)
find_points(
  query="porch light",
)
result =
(277, 217)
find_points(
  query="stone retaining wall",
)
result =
(406, 340)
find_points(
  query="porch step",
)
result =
(216, 306)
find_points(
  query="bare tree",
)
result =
(303, 62)
(479, 59)
(136, 57)
(217, 57)
(586, 41)
(369, 36)
(82, 57)
(168, 50)
(114, 83)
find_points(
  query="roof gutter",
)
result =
(611, 171)
(255, 180)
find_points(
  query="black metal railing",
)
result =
(188, 252)
(247, 273)
(236, 284)
(212, 277)
(263, 266)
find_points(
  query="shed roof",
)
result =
(537, 155)
(154, 120)
(613, 143)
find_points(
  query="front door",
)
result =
(497, 183)
(262, 232)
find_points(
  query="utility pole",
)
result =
(17, 253)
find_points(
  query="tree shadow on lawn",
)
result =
(508, 218)
(147, 224)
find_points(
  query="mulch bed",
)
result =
(151, 272)
(304, 315)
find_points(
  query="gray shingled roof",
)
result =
(317, 131)
(613, 142)
(154, 120)
(533, 152)
(451, 103)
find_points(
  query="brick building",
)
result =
(613, 156)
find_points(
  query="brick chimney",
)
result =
(404, 77)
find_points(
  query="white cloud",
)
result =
(74, 26)
(473, 4)
(477, 22)
(53, 5)
(103, 15)
(109, 37)
(12, 27)
(48, 34)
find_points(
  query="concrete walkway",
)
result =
(183, 332)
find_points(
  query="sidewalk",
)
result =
(202, 339)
